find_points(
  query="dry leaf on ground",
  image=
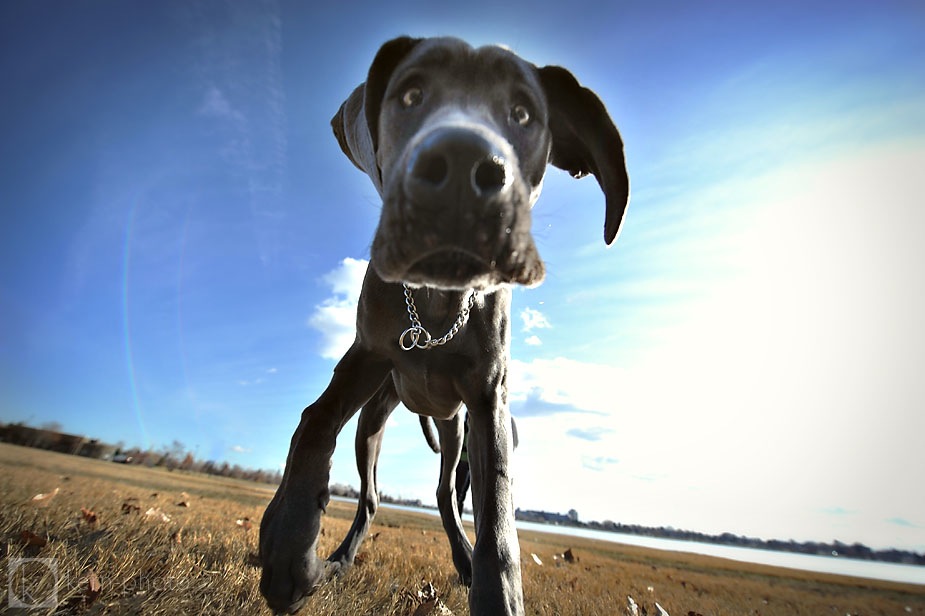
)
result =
(88, 516)
(244, 523)
(44, 498)
(91, 586)
(155, 513)
(27, 537)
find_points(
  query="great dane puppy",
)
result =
(456, 141)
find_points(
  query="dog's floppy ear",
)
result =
(356, 123)
(380, 72)
(585, 140)
(352, 134)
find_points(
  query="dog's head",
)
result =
(456, 141)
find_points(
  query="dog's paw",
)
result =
(291, 569)
(465, 575)
(287, 587)
(338, 563)
(463, 564)
(335, 568)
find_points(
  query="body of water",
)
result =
(910, 574)
(806, 562)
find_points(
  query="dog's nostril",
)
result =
(488, 176)
(431, 168)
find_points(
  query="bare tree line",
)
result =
(175, 456)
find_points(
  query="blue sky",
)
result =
(182, 244)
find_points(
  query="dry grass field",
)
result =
(132, 540)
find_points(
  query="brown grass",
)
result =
(201, 560)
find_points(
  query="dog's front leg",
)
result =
(496, 581)
(451, 440)
(290, 526)
(370, 430)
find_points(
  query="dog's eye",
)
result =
(412, 97)
(520, 115)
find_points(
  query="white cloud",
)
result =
(346, 280)
(216, 104)
(589, 434)
(240, 449)
(562, 382)
(534, 319)
(598, 463)
(335, 317)
(247, 383)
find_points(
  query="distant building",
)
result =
(21, 434)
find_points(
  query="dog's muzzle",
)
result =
(455, 164)
(458, 216)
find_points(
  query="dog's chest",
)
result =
(430, 391)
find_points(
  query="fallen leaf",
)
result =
(427, 592)
(434, 607)
(128, 507)
(88, 516)
(631, 608)
(92, 587)
(40, 498)
(426, 608)
(29, 538)
(430, 605)
(156, 514)
(89, 589)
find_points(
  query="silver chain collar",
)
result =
(416, 337)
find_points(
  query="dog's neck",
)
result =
(438, 304)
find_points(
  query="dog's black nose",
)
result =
(455, 163)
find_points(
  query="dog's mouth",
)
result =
(450, 268)
(427, 246)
